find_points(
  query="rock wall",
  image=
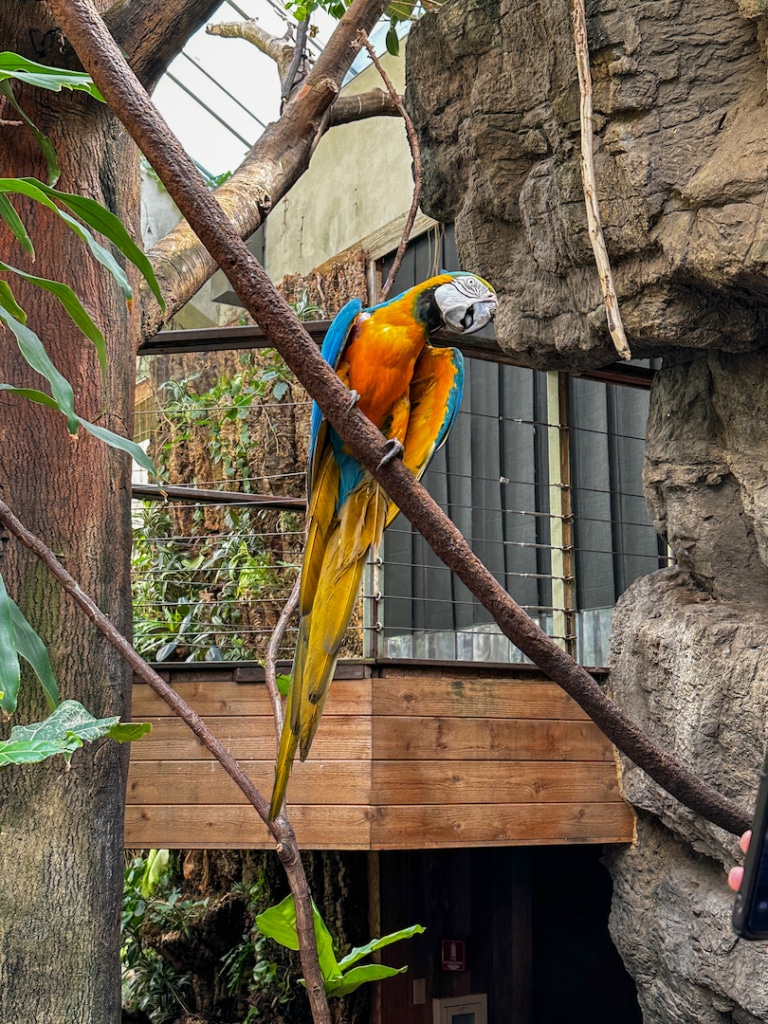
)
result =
(681, 158)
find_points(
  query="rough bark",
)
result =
(680, 129)
(152, 34)
(61, 836)
(689, 663)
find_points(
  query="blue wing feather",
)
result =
(333, 345)
(454, 400)
(335, 341)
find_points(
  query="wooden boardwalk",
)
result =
(404, 759)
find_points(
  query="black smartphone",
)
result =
(750, 911)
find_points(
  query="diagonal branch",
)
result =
(278, 159)
(152, 34)
(282, 831)
(123, 93)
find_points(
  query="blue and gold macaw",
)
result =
(411, 391)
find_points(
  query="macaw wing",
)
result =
(438, 382)
(335, 340)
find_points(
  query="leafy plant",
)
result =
(64, 732)
(12, 66)
(188, 601)
(70, 724)
(340, 977)
(198, 576)
(249, 963)
(149, 984)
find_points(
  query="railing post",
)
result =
(561, 512)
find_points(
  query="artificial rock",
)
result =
(681, 160)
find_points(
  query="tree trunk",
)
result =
(61, 837)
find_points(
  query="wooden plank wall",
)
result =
(407, 759)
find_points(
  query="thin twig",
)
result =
(596, 237)
(270, 665)
(417, 167)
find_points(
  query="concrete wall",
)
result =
(359, 179)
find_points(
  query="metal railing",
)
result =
(542, 474)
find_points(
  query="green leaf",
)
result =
(283, 684)
(73, 307)
(279, 923)
(39, 192)
(32, 649)
(15, 223)
(359, 976)
(101, 220)
(107, 436)
(124, 444)
(8, 301)
(393, 43)
(10, 671)
(34, 396)
(63, 732)
(45, 144)
(34, 352)
(157, 866)
(54, 79)
(359, 952)
(329, 967)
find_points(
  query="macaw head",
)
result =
(460, 302)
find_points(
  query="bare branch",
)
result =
(287, 848)
(286, 334)
(280, 50)
(375, 103)
(417, 172)
(270, 669)
(278, 159)
(152, 34)
(596, 237)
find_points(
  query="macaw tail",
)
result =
(327, 601)
(285, 756)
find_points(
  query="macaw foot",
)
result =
(354, 398)
(394, 450)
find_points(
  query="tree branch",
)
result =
(375, 103)
(280, 50)
(413, 141)
(123, 93)
(278, 159)
(287, 848)
(151, 34)
(595, 227)
(273, 649)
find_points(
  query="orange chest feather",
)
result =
(378, 363)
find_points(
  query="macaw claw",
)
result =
(354, 398)
(395, 450)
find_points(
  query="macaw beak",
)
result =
(472, 317)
